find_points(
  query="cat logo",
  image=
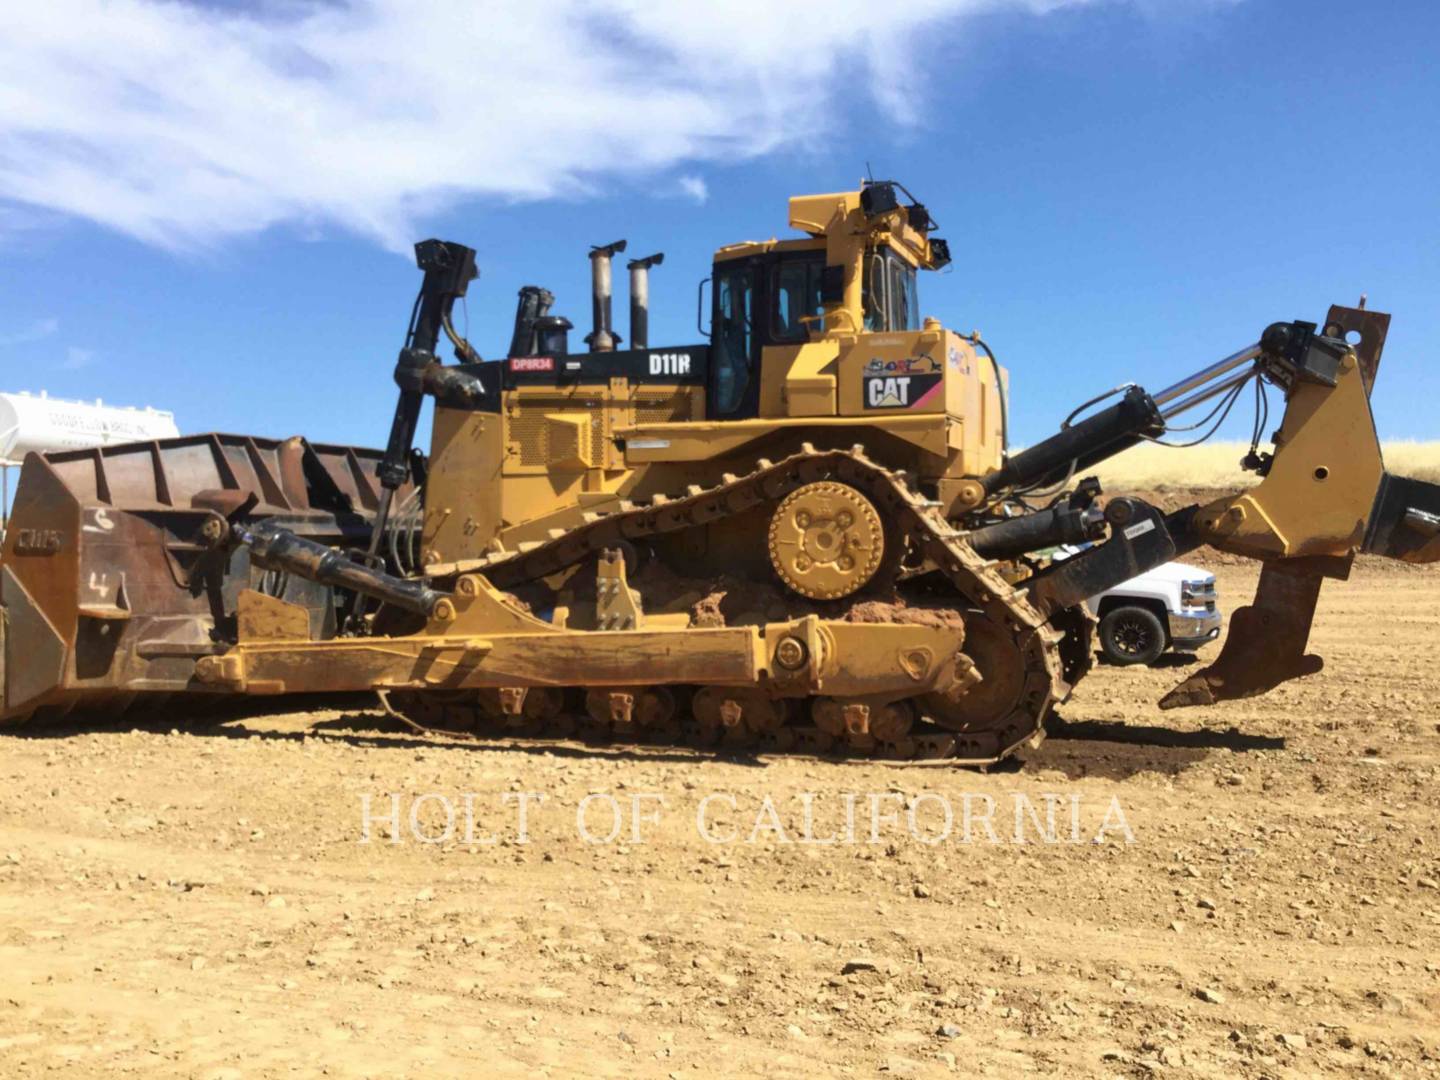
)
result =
(891, 393)
(900, 391)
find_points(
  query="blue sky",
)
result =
(1131, 189)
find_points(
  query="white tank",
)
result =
(38, 423)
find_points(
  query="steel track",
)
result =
(1043, 682)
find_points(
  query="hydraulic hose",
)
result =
(979, 342)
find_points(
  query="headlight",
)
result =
(1196, 593)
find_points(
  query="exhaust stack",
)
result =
(602, 338)
(640, 298)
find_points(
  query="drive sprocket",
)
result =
(826, 540)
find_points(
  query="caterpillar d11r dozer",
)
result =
(806, 533)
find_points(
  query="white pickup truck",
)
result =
(1174, 606)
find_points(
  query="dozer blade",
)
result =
(1266, 643)
(111, 586)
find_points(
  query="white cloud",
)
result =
(694, 187)
(77, 358)
(36, 331)
(182, 125)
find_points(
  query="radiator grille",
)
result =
(529, 432)
(664, 406)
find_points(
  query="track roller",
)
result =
(631, 707)
(738, 713)
(518, 706)
(863, 724)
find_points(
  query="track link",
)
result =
(1043, 680)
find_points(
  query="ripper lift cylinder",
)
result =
(1031, 532)
(1102, 435)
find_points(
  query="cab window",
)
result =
(890, 299)
(904, 305)
(732, 355)
(875, 295)
(795, 307)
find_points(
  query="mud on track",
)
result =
(197, 904)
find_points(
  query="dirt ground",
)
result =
(198, 902)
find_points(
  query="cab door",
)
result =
(734, 378)
(764, 300)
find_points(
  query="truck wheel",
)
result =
(1132, 635)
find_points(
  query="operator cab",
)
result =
(776, 294)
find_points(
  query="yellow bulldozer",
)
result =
(808, 532)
